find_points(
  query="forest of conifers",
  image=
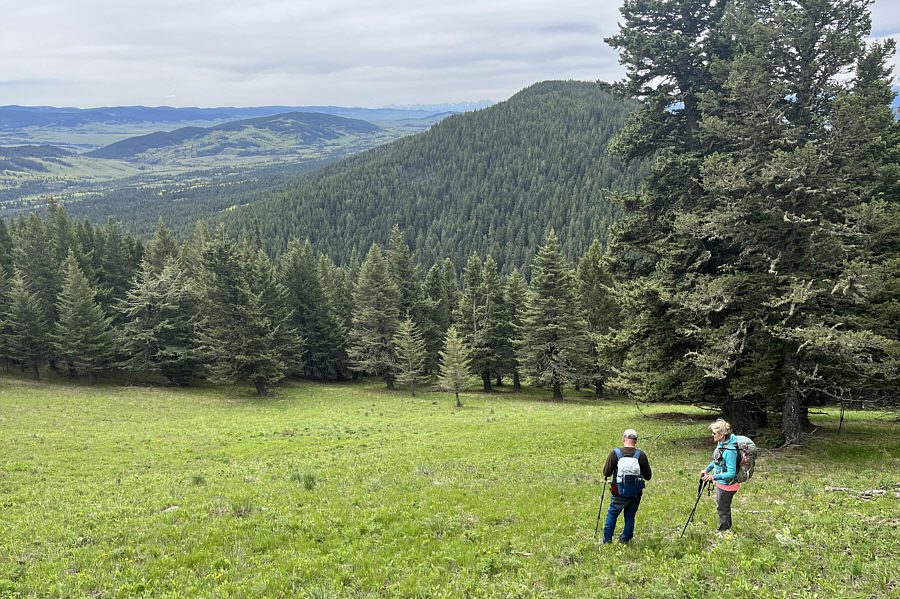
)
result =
(492, 181)
(756, 269)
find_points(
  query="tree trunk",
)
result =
(743, 415)
(412, 388)
(92, 378)
(791, 413)
(260, 388)
(390, 383)
(486, 379)
(557, 391)
(791, 424)
(499, 380)
(34, 370)
(517, 384)
(458, 403)
(598, 388)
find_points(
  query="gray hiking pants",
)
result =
(723, 503)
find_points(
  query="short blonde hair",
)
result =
(720, 427)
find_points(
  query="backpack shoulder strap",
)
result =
(618, 452)
(637, 454)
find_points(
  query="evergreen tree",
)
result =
(409, 346)
(288, 343)
(375, 319)
(310, 312)
(6, 250)
(4, 311)
(158, 331)
(471, 318)
(515, 293)
(29, 333)
(554, 343)
(451, 289)
(189, 253)
(338, 288)
(667, 49)
(36, 261)
(60, 232)
(405, 274)
(496, 329)
(743, 263)
(161, 247)
(237, 339)
(435, 316)
(83, 335)
(595, 294)
(117, 263)
(455, 367)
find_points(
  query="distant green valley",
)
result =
(189, 156)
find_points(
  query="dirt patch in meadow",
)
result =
(694, 443)
(680, 416)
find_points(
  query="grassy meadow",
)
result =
(348, 490)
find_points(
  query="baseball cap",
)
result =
(630, 434)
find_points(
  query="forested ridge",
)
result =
(492, 181)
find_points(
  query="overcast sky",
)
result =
(89, 53)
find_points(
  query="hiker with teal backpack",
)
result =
(733, 463)
(631, 468)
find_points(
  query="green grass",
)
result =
(347, 490)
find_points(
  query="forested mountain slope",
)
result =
(492, 181)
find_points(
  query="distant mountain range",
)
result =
(21, 117)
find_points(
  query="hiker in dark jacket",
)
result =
(723, 470)
(630, 468)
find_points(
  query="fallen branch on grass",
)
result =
(868, 493)
(640, 410)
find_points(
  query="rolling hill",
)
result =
(230, 156)
(86, 129)
(277, 135)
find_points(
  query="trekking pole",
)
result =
(703, 483)
(600, 513)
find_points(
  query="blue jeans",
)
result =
(616, 505)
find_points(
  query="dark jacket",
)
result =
(612, 462)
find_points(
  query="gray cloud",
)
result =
(349, 52)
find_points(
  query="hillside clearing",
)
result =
(348, 490)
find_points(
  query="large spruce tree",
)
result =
(595, 293)
(310, 313)
(515, 292)
(238, 339)
(157, 334)
(743, 263)
(554, 348)
(375, 319)
(28, 340)
(83, 336)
